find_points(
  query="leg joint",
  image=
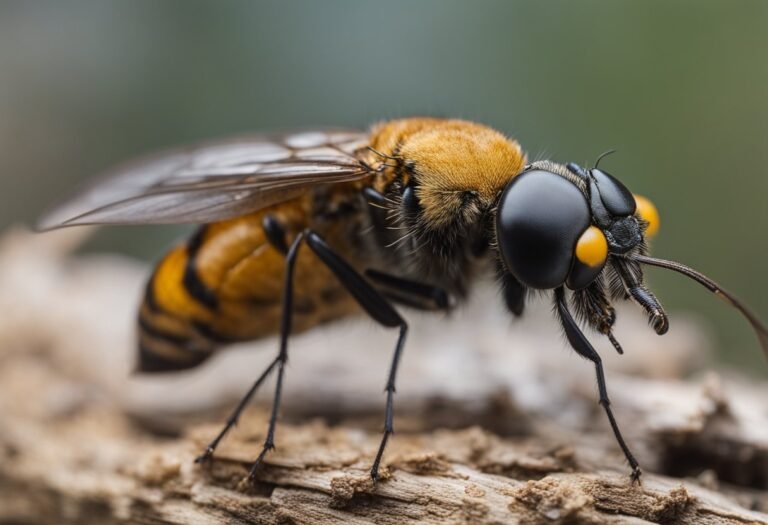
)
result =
(275, 233)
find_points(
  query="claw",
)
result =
(252, 473)
(268, 446)
(660, 323)
(635, 476)
(205, 456)
(615, 343)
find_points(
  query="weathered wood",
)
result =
(497, 422)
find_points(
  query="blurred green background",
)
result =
(680, 89)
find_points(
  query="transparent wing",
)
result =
(214, 181)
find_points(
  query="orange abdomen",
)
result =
(225, 284)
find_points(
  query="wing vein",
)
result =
(215, 181)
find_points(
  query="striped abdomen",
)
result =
(225, 285)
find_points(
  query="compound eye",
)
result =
(616, 198)
(591, 254)
(648, 212)
(539, 219)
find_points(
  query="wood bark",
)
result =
(496, 421)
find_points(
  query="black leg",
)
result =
(592, 306)
(232, 420)
(583, 347)
(513, 292)
(374, 197)
(275, 233)
(367, 296)
(437, 297)
(380, 310)
(282, 357)
(652, 306)
(278, 362)
(631, 276)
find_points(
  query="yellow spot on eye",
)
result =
(592, 248)
(648, 212)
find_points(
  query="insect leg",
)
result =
(435, 295)
(279, 361)
(380, 310)
(592, 305)
(375, 197)
(583, 347)
(628, 272)
(513, 292)
(650, 304)
(275, 233)
(282, 357)
(232, 420)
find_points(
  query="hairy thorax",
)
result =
(456, 171)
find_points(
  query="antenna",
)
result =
(609, 152)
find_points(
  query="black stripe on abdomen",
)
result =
(157, 333)
(191, 281)
(214, 336)
(164, 351)
(151, 361)
(149, 295)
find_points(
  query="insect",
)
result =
(302, 229)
